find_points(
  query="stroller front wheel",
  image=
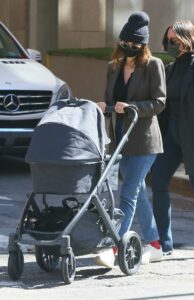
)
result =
(15, 264)
(68, 268)
(129, 253)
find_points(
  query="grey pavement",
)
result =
(173, 278)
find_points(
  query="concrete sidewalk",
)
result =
(170, 279)
(181, 194)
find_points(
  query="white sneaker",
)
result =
(105, 258)
(151, 254)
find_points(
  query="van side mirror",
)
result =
(34, 54)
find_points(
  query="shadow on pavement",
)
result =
(34, 278)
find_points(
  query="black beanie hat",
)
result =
(136, 29)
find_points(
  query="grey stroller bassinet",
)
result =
(71, 143)
(67, 158)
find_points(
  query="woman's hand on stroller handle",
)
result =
(106, 108)
(109, 109)
(131, 110)
(123, 107)
(120, 107)
(102, 106)
(126, 109)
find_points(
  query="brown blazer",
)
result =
(147, 91)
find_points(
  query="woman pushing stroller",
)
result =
(136, 79)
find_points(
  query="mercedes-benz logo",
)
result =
(11, 103)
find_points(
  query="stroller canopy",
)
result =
(71, 131)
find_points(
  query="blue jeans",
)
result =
(163, 169)
(134, 197)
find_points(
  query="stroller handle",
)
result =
(129, 110)
(109, 109)
(70, 101)
(133, 115)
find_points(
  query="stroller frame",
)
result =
(129, 246)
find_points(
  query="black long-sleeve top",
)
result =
(121, 88)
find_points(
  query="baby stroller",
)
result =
(69, 168)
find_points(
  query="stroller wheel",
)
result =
(68, 267)
(47, 261)
(129, 253)
(15, 264)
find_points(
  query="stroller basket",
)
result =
(48, 224)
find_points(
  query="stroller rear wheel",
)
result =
(68, 268)
(129, 253)
(15, 264)
(47, 261)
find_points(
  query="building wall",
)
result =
(162, 13)
(15, 15)
(33, 22)
(81, 24)
(49, 24)
(43, 25)
(85, 76)
(97, 23)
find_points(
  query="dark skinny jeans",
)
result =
(163, 169)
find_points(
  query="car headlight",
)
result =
(64, 92)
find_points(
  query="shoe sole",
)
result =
(167, 253)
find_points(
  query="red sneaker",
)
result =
(115, 250)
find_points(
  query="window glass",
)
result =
(8, 47)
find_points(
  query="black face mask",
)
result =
(130, 52)
(173, 49)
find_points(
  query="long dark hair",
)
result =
(165, 38)
(184, 30)
(141, 59)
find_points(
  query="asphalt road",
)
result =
(173, 278)
(15, 183)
